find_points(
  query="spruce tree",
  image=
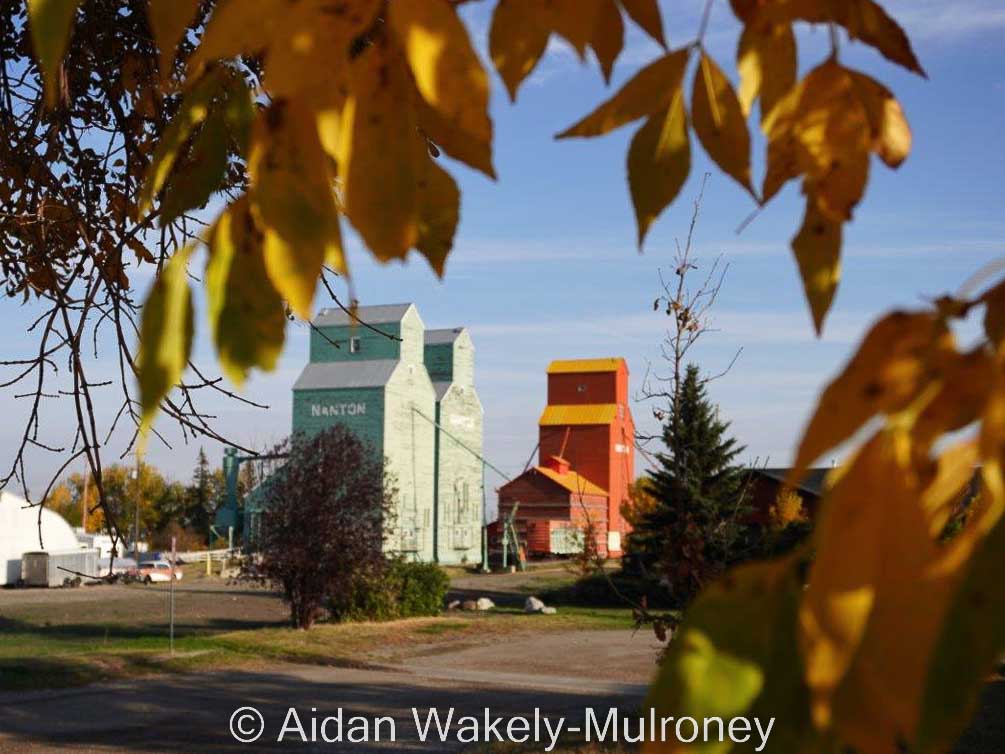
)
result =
(698, 524)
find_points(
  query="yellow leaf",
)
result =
(472, 151)
(292, 197)
(913, 579)
(953, 473)
(820, 129)
(719, 123)
(246, 313)
(890, 368)
(817, 247)
(237, 27)
(867, 21)
(994, 316)
(608, 36)
(766, 62)
(446, 69)
(202, 172)
(51, 24)
(659, 160)
(856, 537)
(646, 13)
(733, 657)
(193, 111)
(648, 92)
(439, 213)
(165, 335)
(970, 642)
(575, 20)
(965, 381)
(516, 42)
(378, 154)
(891, 134)
(168, 20)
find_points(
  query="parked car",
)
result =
(154, 571)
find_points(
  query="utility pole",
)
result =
(136, 515)
(83, 500)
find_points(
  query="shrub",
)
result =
(402, 590)
(326, 515)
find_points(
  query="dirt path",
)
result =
(191, 713)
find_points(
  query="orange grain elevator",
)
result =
(586, 458)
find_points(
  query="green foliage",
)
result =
(697, 527)
(402, 590)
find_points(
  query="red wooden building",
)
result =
(586, 461)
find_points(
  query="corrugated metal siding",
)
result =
(582, 366)
(600, 413)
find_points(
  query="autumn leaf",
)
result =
(766, 62)
(292, 198)
(647, 92)
(822, 130)
(719, 122)
(247, 318)
(608, 36)
(194, 108)
(573, 20)
(439, 213)
(659, 160)
(516, 42)
(203, 173)
(817, 247)
(378, 155)
(168, 20)
(166, 331)
(994, 316)
(891, 134)
(732, 657)
(51, 26)
(892, 365)
(646, 13)
(446, 69)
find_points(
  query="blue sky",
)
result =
(545, 264)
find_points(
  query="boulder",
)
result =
(548, 610)
(484, 603)
(469, 605)
(453, 604)
(533, 605)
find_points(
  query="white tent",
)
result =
(19, 534)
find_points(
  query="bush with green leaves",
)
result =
(401, 590)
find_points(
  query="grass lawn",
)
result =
(60, 638)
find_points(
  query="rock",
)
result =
(548, 610)
(454, 604)
(484, 603)
(533, 605)
(469, 605)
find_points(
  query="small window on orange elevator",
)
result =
(581, 388)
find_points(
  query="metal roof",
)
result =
(582, 366)
(335, 375)
(371, 315)
(589, 413)
(813, 483)
(572, 481)
(447, 335)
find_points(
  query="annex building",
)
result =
(410, 393)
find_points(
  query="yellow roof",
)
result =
(581, 366)
(572, 481)
(588, 413)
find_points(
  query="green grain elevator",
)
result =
(379, 386)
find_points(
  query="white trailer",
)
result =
(58, 568)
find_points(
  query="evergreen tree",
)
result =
(203, 494)
(697, 526)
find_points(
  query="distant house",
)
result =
(763, 486)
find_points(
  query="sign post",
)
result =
(174, 562)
